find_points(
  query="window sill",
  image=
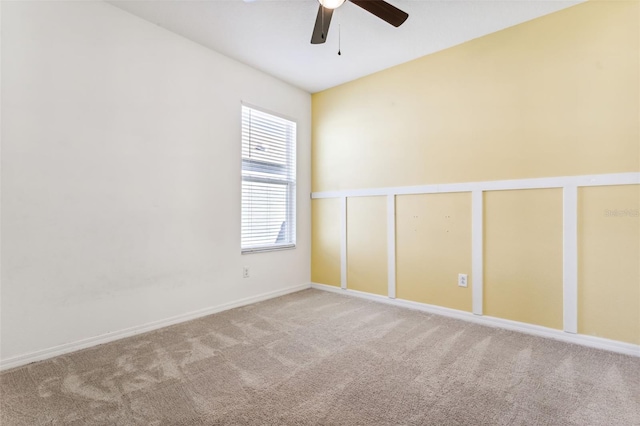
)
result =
(268, 248)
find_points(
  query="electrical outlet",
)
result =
(462, 280)
(245, 272)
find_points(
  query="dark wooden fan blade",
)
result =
(383, 10)
(321, 29)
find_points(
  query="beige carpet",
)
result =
(320, 358)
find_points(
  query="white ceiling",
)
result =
(274, 35)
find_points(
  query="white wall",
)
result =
(121, 175)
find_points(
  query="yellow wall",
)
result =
(523, 256)
(609, 262)
(367, 244)
(325, 241)
(555, 96)
(433, 246)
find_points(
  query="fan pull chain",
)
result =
(339, 40)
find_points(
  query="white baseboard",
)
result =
(536, 330)
(66, 348)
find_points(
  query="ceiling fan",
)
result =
(379, 8)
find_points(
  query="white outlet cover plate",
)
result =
(462, 280)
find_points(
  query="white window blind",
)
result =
(268, 181)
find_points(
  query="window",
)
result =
(268, 181)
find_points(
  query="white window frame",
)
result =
(290, 182)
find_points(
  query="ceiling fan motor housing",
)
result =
(331, 4)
